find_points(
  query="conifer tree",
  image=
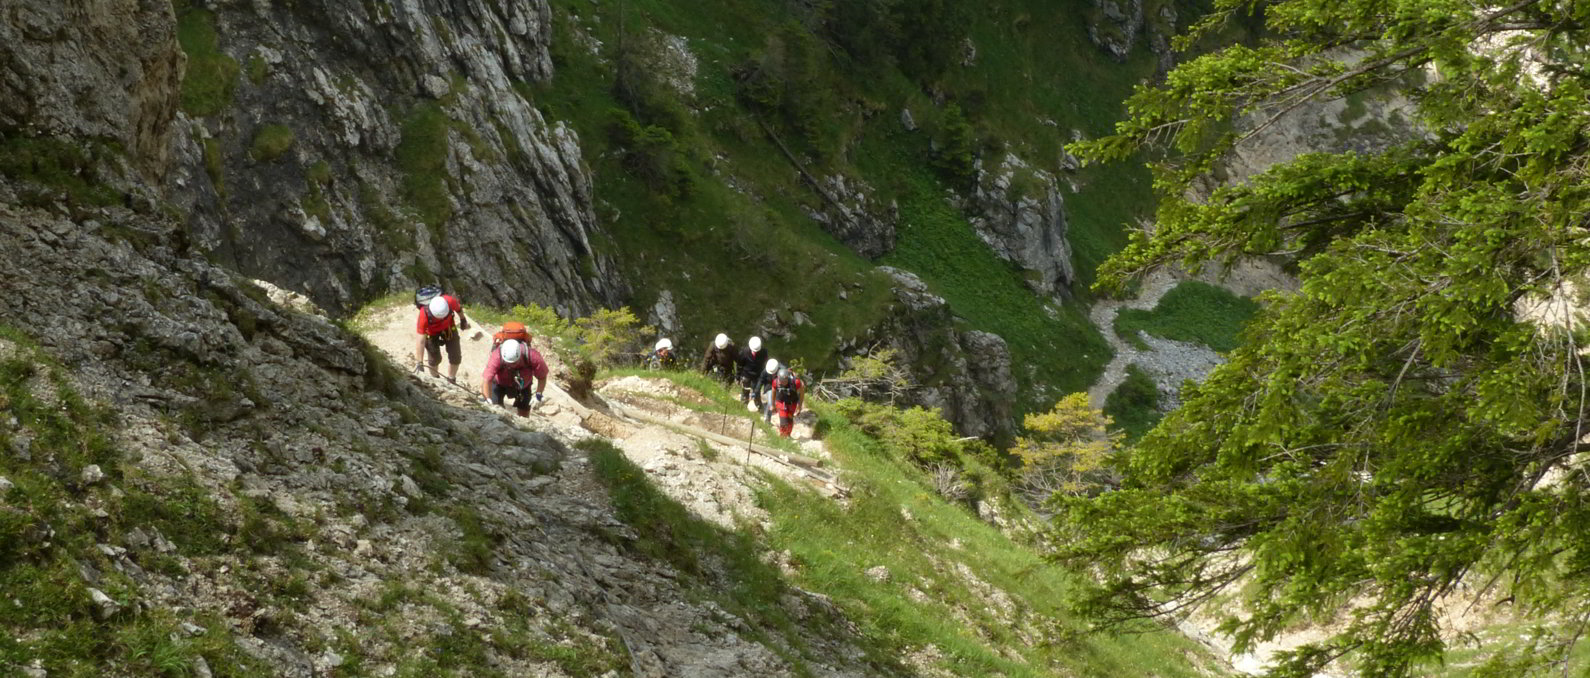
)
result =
(1400, 430)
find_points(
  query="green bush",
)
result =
(271, 142)
(918, 435)
(1134, 405)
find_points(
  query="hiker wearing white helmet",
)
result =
(750, 362)
(720, 358)
(764, 387)
(512, 367)
(441, 317)
(662, 355)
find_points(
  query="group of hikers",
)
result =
(765, 384)
(513, 366)
(510, 369)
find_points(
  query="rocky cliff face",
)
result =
(109, 73)
(1018, 210)
(965, 374)
(350, 148)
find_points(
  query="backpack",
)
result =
(425, 294)
(511, 330)
(787, 392)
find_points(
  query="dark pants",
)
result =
(435, 342)
(521, 396)
(749, 392)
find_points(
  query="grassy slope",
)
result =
(1192, 311)
(730, 254)
(49, 536)
(893, 518)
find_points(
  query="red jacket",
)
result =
(431, 327)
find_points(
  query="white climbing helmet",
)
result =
(512, 351)
(772, 366)
(438, 307)
(755, 343)
(664, 344)
(722, 341)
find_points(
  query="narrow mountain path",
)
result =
(1154, 286)
(705, 461)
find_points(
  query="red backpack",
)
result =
(511, 330)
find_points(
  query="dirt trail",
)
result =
(716, 480)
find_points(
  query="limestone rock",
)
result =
(1019, 212)
(851, 213)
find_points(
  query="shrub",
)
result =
(652, 154)
(1134, 405)
(270, 142)
(1065, 451)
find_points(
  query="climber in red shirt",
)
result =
(437, 328)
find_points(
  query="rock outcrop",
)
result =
(108, 72)
(1018, 210)
(852, 213)
(965, 374)
(344, 149)
(1116, 26)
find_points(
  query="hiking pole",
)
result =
(748, 441)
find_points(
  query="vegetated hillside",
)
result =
(199, 480)
(733, 165)
(917, 136)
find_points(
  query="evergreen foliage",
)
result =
(1395, 429)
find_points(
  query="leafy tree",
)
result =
(1394, 429)
(1065, 451)
(874, 375)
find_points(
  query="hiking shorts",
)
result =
(522, 398)
(449, 338)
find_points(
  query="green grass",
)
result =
(66, 167)
(833, 544)
(422, 156)
(271, 142)
(1193, 311)
(211, 76)
(49, 535)
(257, 69)
(1134, 405)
